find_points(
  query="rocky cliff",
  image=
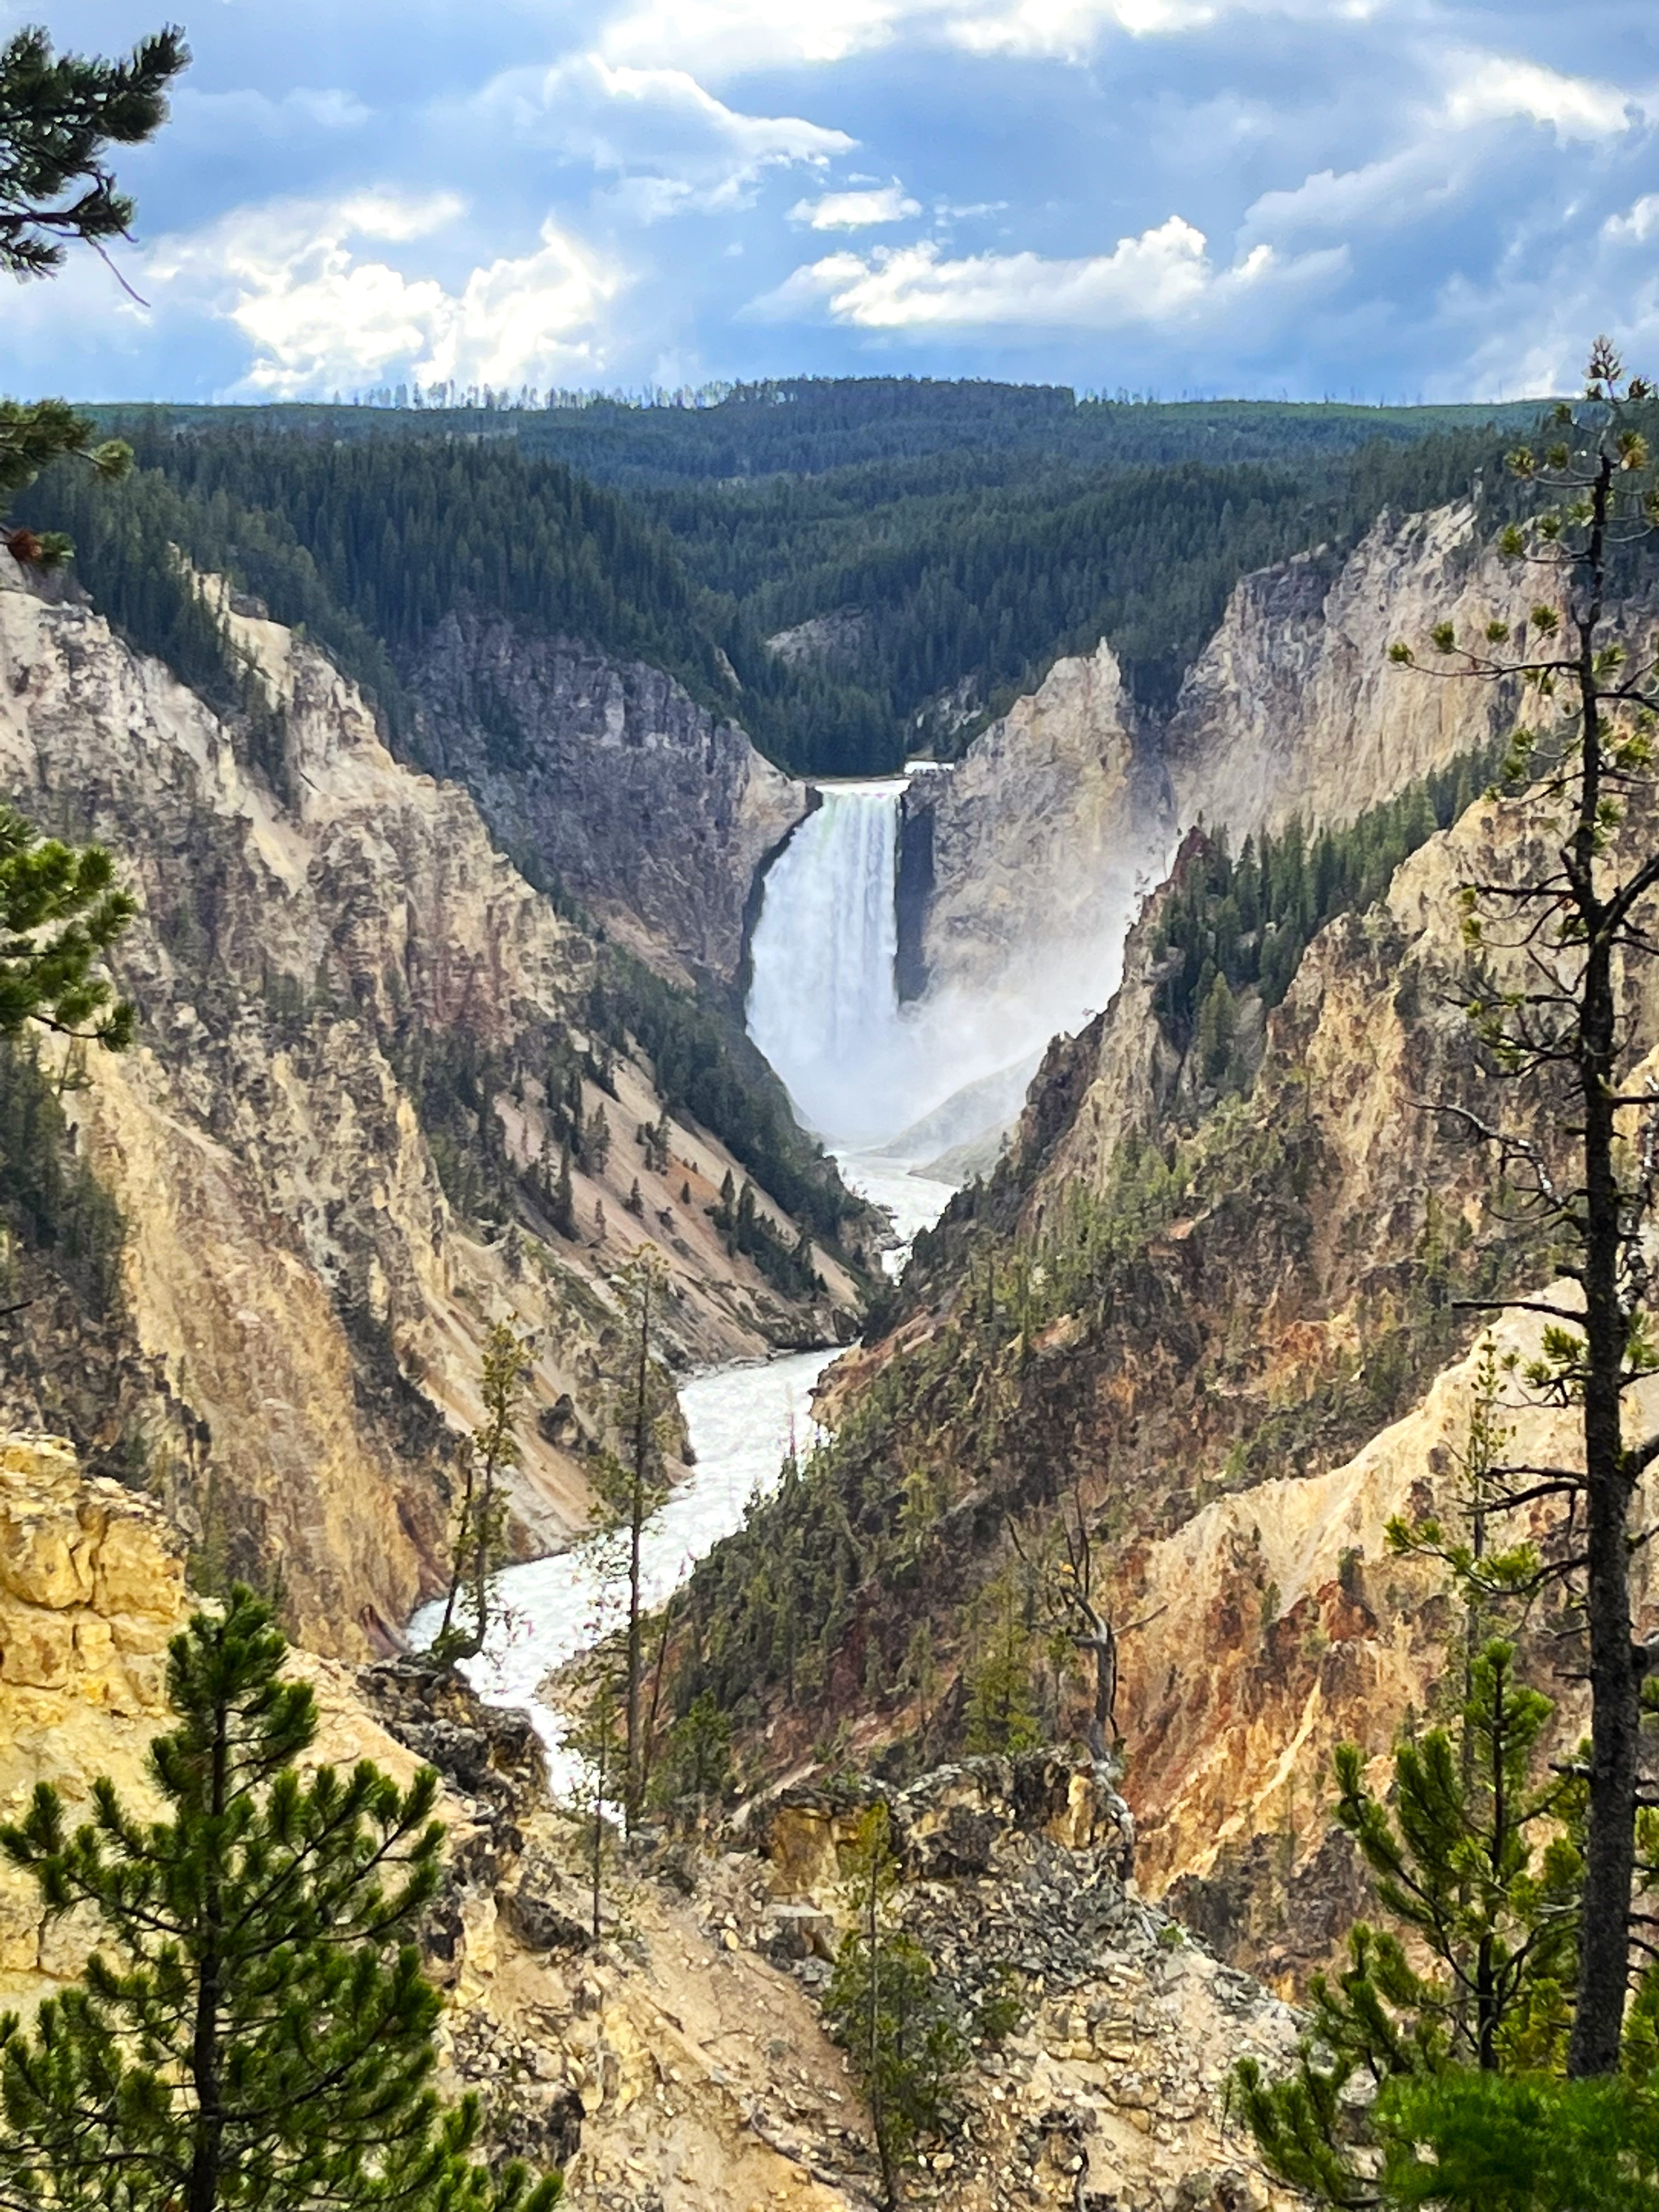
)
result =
(344, 987)
(1230, 1330)
(680, 2061)
(1072, 803)
(1293, 707)
(1039, 836)
(610, 781)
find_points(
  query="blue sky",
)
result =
(1379, 198)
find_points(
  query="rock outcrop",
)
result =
(1039, 836)
(679, 2060)
(1294, 708)
(332, 960)
(1016, 1882)
(1240, 1344)
(1062, 811)
(609, 780)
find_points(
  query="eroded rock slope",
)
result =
(346, 993)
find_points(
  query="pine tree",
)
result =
(886, 2006)
(488, 1456)
(1475, 1861)
(1559, 944)
(259, 2032)
(628, 1488)
(1000, 1715)
(60, 908)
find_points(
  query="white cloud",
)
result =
(725, 37)
(674, 147)
(1164, 276)
(856, 210)
(319, 314)
(216, 116)
(1494, 88)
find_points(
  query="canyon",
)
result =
(341, 984)
(1215, 1314)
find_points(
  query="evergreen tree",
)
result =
(260, 2032)
(1474, 1859)
(628, 1488)
(61, 913)
(697, 1770)
(1001, 1713)
(563, 1203)
(1558, 944)
(886, 2006)
(488, 1456)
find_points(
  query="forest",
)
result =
(965, 535)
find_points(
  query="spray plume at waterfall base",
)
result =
(867, 1074)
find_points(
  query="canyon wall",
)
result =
(1040, 836)
(331, 949)
(1063, 811)
(1294, 708)
(1239, 1344)
(610, 781)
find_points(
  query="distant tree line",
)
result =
(979, 531)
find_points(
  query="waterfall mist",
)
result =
(865, 1072)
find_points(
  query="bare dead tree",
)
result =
(1067, 1579)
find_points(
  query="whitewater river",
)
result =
(824, 1007)
(742, 1420)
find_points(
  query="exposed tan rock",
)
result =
(1294, 708)
(304, 1311)
(635, 798)
(1040, 835)
(681, 2060)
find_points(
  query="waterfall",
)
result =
(824, 1000)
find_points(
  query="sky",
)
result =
(1371, 199)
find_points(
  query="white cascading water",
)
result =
(824, 999)
(824, 1007)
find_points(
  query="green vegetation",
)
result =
(706, 1067)
(1244, 925)
(885, 2005)
(487, 1458)
(979, 530)
(51, 1201)
(260, 2031)
(803, 426)
(985, 569)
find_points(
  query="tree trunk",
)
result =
(207, 2150)
(635, 1793)
(1615, 1681)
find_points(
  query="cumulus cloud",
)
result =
(320, 309)
(1164, 276)
(670, 146)
(1489, 88)
(723, 37)
(856, 210)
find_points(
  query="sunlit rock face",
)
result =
(608, 778)
(1294, 707)
(297, 1334)
(1040, 834)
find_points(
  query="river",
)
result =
(824, 1007)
